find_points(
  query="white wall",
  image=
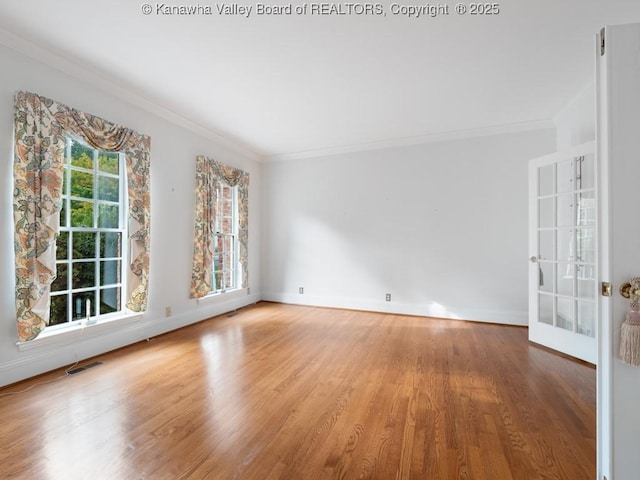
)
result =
(174, 149)
(576, 122)
(441, 226)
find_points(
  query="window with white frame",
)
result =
(225, 241)
(89, 252)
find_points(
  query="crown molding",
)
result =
(416, 140)
(99, 79)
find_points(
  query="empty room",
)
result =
(319, 240)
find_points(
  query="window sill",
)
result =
(80, 331)
(227, 294)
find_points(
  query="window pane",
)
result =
(84, 245)
(109, 300)
(62, 246)
(109, 162)
(109, 272)
(81, 184)
(110, 245)
(108, 189)
(84, 274)
(60, 283)
(80, 304)
(58, 312)
(545, 244)
(63, 214)
(108, 216)
(81, 213)
(81, 156)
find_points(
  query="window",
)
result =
(89, 253)
(225, 239)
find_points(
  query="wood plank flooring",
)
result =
(290, 392)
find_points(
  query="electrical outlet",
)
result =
(167, 311)
(301, 290)
(387, 297)
(248, 290)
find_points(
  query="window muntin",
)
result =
(225, 239)
(89, 253)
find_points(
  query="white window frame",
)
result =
(235, 266)
(122, 230)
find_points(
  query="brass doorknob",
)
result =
(629, 289)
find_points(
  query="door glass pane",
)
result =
(586, 204)
(545, 277)
(565, 313)
(586, 171)
(545, 180)
(565, 210)
(564, 279)
(566, 245)
(586, 318)
(586, 281)
(545, 308)
(545, 244)
(545, 212)
(585, 245)
(565, 176)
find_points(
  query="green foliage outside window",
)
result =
(91, 196)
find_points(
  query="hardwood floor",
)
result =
(289, 392)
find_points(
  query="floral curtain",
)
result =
(40, 128)
(210, 173)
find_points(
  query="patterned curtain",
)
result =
(210, 173)
(40, 128)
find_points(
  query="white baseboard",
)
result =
(519, 318)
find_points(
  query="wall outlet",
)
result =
(387, 297)
(248, 290)
(301, 290)
(167, 311)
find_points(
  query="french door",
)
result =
(563, 252)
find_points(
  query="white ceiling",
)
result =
(291, 85)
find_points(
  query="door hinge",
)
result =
(602, 43)
(607, 289)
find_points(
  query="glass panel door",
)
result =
(562, 241)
